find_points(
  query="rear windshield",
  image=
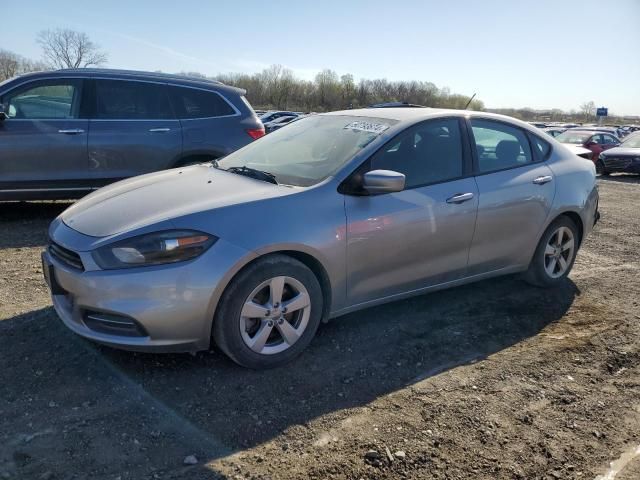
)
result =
(309, 150)
(577, 138)
(631, 142)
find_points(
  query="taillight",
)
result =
(256, 133)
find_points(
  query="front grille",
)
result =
(66, 256)
(617, 162)
(113, 324)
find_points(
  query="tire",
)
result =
(542, 265)
(250, 293)
(600, 168)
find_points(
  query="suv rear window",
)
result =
(122, 100)
(196, 103)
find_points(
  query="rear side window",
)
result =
(541, 148)
(196, 103)
(124, 100)
(499, 146)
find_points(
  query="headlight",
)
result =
(153, 249)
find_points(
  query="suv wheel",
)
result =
(269, 313)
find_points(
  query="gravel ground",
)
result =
(489, 381)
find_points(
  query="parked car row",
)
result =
(601, 145)
(67, 132)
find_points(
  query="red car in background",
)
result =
(595, 140)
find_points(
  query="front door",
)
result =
(400, 242)
(133, 131)
(43, 142)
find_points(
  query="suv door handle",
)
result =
(159, 130)
(542, 180)
(71, 131)
(460, 197)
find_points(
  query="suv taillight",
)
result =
(256, 133)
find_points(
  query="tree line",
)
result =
(277, 87)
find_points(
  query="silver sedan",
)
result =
(335, 213)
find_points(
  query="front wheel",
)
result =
(600, 168)
(269, 313)
(555, 254)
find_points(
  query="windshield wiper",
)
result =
(253, 173)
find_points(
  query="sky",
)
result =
(513, 53)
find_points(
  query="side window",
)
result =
(499, 145)
(541, 148)
(427, 153)
(126, 100)
(596, 139)
(45, 101)
(608, 140)
(196, 103)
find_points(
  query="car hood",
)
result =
(622, 152)
(149, 199)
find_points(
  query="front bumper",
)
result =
(171, 306)
(621, 164)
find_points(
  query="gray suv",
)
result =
(67, 132)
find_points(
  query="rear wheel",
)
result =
(555, 254)
(269, 313)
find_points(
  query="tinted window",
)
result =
(44, 101)
(499, 145)
(541, 147)
(427, 153)
(122, 100)
(195, 103)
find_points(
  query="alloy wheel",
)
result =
(275, 315)
(559, 251)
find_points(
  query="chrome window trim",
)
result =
(91, 77)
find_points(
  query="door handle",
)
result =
(460, 197)
(71, 131)
(542, 180)
(159, 130)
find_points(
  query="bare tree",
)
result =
(588, 109)
(65, 48)
(12, 64)
(9, 64)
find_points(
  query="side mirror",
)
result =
(383, 181)
(3, 115)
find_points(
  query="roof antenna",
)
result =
(469, 102)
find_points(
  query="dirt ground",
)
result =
(494, 380)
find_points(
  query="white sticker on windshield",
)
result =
(367, 127)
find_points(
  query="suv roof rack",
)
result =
(141, 73)
(395, 105)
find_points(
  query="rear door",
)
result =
(516, 190)
(609, 141)
(133, 129)
(43, 143)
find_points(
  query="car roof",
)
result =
(594, 130)
(134, 74)
(412, 115)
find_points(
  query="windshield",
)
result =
(631, 142)
(309, 150)
(577, 138)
